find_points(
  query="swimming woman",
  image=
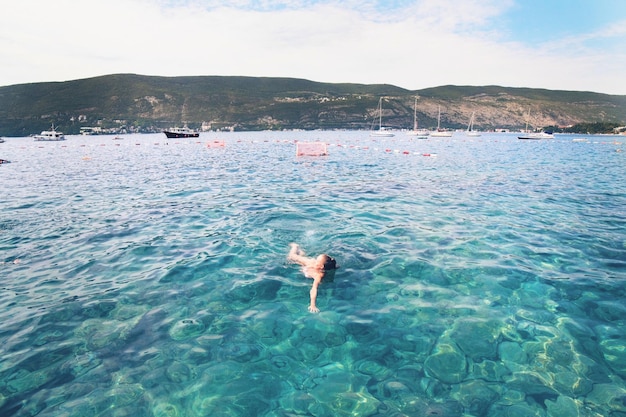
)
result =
(313, 268)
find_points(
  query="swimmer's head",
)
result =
(328, 263)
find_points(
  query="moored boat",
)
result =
(470, 128)
(440, 133)
(537, 136)
(181, 132)
(528, 135)
(382, 130)
(49, 135)
(418, 133)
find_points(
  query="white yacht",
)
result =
(49, 135)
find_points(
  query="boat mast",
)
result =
(439, 119)
(415, 114)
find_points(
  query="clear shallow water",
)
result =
(147, 277)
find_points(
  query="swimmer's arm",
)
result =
(313, 293)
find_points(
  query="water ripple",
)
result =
(151, 278)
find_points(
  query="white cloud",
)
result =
(412, 44)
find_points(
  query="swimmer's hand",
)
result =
(314, 309)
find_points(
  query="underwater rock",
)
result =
(197, 355)
(152, 379)
(572, 384)
(490, 371)
(265, 289)
(395, 390)
(354, 404)
(186, 328)
(252, 403)
(363, 332)
(415, 347)
(219, 374)
(165, 410)
(240, 351)
(512, 354)
(220, 308)
(81, 363)
(529, 330)
(559, 352)
(328, 334)
(610, 311)
(511, 396)
(328, 383)
(447, 364)
(373, 369)
(476, 396)
(297, 403)
(217, 405)
(585, 337)
(23, 380)
(409, 374)
(125, 394)
(477, 338)
(563, 406)
(284, 364)
(607, 395)
(433, 409)
(540, 316)
(614, 351)
(532, 384)
(128, 311)
(534, 294)
(178, 372)
(97, 309)
(517, 410)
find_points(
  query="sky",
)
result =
(577, 45)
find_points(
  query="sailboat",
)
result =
(382, 131)
(419, 133)
(440, 133)
(470, 128)
(534, 135)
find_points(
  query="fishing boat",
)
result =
(382, 131)
(49, 135)
(470, 128)
(440, 133)
(528, 135)
(418, 133)
(181, 132)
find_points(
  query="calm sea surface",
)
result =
(148, 277)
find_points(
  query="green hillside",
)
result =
(139, 103)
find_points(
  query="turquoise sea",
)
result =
(148, 277)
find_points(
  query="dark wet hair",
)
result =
(330, 263)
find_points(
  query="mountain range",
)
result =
(139, 103)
